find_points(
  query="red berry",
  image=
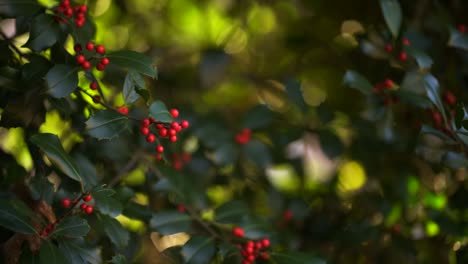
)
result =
(49, 228)
(449, 98)
(87, 198)
(238, 232)
(66, 203)
(43, 233)
(265, 242)
(160, 149)
(86, 65)
(174, 113)
(145, 131)
(288, 215)
(83, 206)
(251, 258)
(145, 122)
(185, 124)
(177, 164)
(89, 210)
(177, 128)
(158, 157)
(264, 255)
(388, 83)
(78, 48)
(405, 42)
(162, 132)
(100, 67)
(249, 244)
(181, 208)
(65, 3)
(173, 139)
(96, 99)
(80, 58)
(258, 245)
(83, 8)
(150, 138)
(80, 22)
(100, 49)
(90, 46)
(68, 12)
(403, 56)
(388, 48)
(105, 61)
(172, 132)
(94, 86)
(461, 28)
(80, 16)
(249, 250)
(123, 110)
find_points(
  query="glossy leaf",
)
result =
(423, 60)
(458, 39)
(61, 80)
(432, 90)
(105, 202)
(36, 69)
(258, 117)
(72, 227)
(16, 216)
(158, 111)
(231, 212)
(295, 258)
(87, 171)
(198, 250)
(44, 33)
(257, 152)
(392, 14)
(413, 99)
(355, 80)
(170, 222)
(425, 129)
(133, 82)
(106, 124)
(52, 147)
(50, 254)
(134, 61)
(14, 8)
(76, 252)
(118, 235)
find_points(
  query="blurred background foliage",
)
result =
(357, 191)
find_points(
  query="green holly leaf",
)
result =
(425, 129)
(158, 111)
(257, 117)
(105, 202)
(15, 216)
(50, 254)
(458, 39)
(119, 259)
(170, 222)
(36, 68)
(76, 252)
(132, 84)
(423, 60)
(295, 258)
(87, 171)
(355, 80)
(413, 98)
(257, 152)
(432, 90)
(226, 153)
(106, 124)
(61, 80)
(198, 250)
(118, 235)
(44, 33)
(73, 226)
(51, 146)
(134, 61)
(231, 212)
(391, 10)
(15, 8)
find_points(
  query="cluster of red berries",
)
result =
(165, 130)
(251, 250)
(386, 85)
(85, 208)
(402, 56)
(180, 160)
(78, 13)
(47, 230)
(243, 137)
(450, 100)
(86, 63)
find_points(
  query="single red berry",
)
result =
(145, 130)
(264, 255)
(436, 118)
(288, 215)
(184, 124)
(177, 164)
(181, 208)
(100, 49)
(105, 61)
(89, 210)
(251, 258)
(83, 206)
(150, 138)
(177, 128)
(123, 110)
(79, 22)
(96, 99)
(49, 228)
(449, 98)
(258, 245)
(77, 48)
(249, 250)
(388, 48)
(162, 132)
(403, 56)
(461, 28)
(90, 46)
(100, 67)
(86, 65)
(265, 242)
(158, 157)
(249, 244)
(43, 233)
(388, 83)
(238, 232)
(66, 203)
(172, 132)
(145, 122)
(83, 8)
(405, 42)
(173, 139)
(80, 59)
(68, 12)
(65, 3)
(174, 113)
(160, 149)
(87, 198)
(94, 86)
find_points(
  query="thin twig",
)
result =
(124, 171)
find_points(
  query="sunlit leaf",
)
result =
(158, 111)
(106, 124)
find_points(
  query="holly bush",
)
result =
(274, 131)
